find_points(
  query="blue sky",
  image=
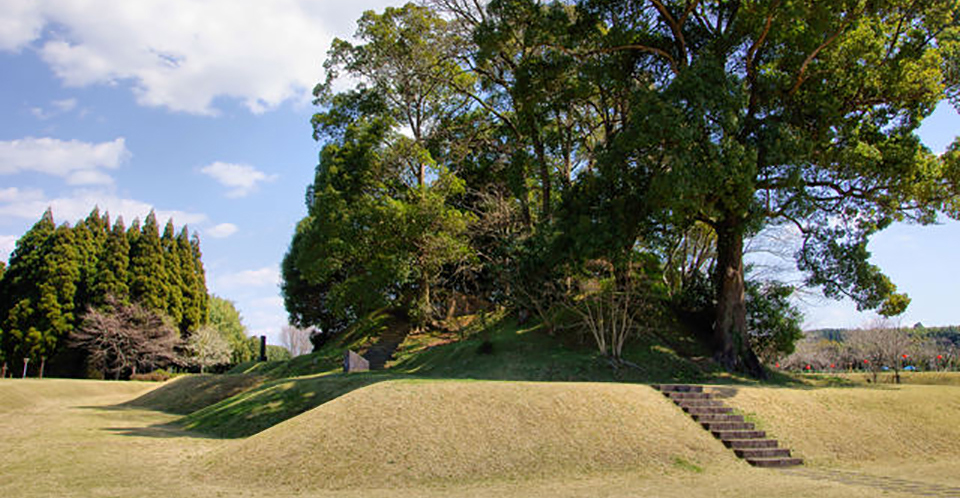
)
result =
(200, 110)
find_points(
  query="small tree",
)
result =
(296, 340)
(120, 338)
(613, 312)
(208, 348)
(882, 344)
(773, 323)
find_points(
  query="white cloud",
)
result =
(221, 231)
(65, 105)
(57, 107)
(15, 195)
(30, 205)
(241, 178)
(7, 244)
(263, 277)
(80, 163)
(262, 54)
(20, 23)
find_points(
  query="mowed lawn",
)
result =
(472, 439)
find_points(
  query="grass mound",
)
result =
(273, 402)
(190, 393)
(858, 425)
(403, 433)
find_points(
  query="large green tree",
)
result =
(406, 59)
(381, 227)
(780, 112)
(21, 296)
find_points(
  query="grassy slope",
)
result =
(516, 353)
(417, 432)
(252, 411)
(188, 394)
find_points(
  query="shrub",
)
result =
(159, 375)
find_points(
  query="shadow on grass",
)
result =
(187, 394)
(162, 431)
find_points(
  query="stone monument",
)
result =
(352, 362)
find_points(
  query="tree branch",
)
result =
(813, 55)
(675, 27)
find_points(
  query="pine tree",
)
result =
(112, 266)
(19, 293)
(193, 315)
(200, 284)
(147, 271)
(172, 272)
(90, 235)
(59, 280)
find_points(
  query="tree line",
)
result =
(549, 155)
(879, 346)
(57, 274)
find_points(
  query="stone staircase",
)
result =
(382, 351)
(742, 437)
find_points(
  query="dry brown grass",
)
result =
(464, 439)
(404, 432)
(860, 426)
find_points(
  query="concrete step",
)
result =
(738, 434)
(775, 462)
(728, 426)
(678, 388)
(706, 409)
(762, 453)
(750, 443)
(687, 395)
(698, 402)
(716, 417)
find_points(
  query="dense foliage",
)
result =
(494, 149)
(58, 273)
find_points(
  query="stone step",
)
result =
(687, 395)
(716, 417)
(678, 388)
(728, 426)
(762, 453)
(775, 462)
(706, 409)
(698, 402)
(738, 434)
(750, 443)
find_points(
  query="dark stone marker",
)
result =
(352, 362)
(263, 348)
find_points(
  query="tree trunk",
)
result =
(731, 346)
(544, 176)
(424, 303)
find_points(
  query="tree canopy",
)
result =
(618, 130)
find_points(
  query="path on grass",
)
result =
(888, 484)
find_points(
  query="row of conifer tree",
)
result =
(56, 273)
